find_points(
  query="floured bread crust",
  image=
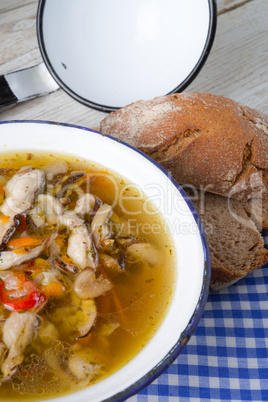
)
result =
(204, 140)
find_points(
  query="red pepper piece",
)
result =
(21, 299)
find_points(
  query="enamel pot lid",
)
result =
(109, 53)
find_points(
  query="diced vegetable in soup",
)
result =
(86, 274)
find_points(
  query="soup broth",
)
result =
(87, 273)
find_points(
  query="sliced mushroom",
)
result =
(112, 262)
(48, 332)
(81, 369)
(70, 219)
(75, 175)
(69, 184)
(77, 367)
(7, 229)
(55, 260)
(86, 286)
(126, 241)
(81, 248)
(36, 219)
(21, 189)
(65, 201)
(143, 251)
(54, 212)
(99, 226)
(64, 266)
(10, 259)
(56, 168)
(85, 204)
(51, 207)
(17, 333)
(87, 317)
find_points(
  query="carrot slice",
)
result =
(20, 251)
(53, 289)
(23, 242)
(4, 219)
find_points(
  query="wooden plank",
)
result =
(18, 45)
(238, 64)
(225, 6)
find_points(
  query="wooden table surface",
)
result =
(237, 66)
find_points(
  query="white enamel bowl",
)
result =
(192, 258)
(108, 53)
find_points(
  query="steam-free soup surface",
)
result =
(86, 274)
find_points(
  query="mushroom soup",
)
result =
(86, 274)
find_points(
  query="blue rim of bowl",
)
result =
(105, 108)
(156, 371)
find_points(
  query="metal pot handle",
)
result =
(26, 84)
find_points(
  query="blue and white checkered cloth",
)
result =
(227, 357)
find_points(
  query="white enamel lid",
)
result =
(109, 53)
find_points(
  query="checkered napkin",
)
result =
(227, 357)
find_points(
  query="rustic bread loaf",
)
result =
(215, 144)
(204, 140)
(236, 246)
